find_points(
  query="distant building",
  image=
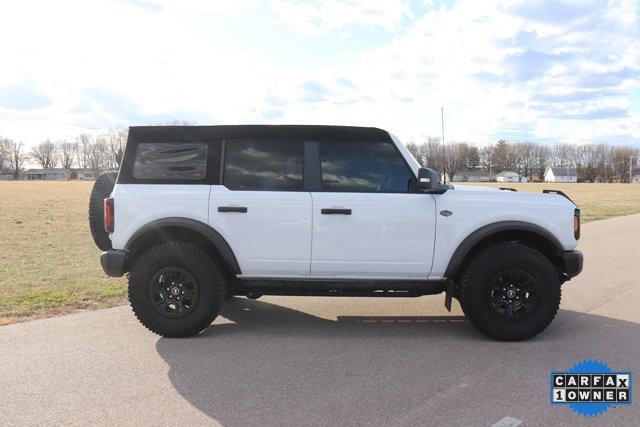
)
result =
(83, 174)
(635, 176)
(561, 174)
(46, 174)
(509, 176)
(58, 174)
(6, 175)
(473, 176)
(479, 176)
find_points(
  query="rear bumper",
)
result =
(113, 262)
(572, 263)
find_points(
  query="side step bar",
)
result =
(364, 288)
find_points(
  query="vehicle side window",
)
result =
(363, 167)
(170, 161)
(264, 165)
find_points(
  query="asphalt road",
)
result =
(329, 361)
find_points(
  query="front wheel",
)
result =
(176, 289)
(510, 292)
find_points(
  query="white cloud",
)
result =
(491, 65)
(520, 70)
(317, 18)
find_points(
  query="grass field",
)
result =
(596, 201)
(49, 264)
(48, 261)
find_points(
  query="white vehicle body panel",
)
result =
(475, 207)
(387, 234)
(273, 237)
(140, 204)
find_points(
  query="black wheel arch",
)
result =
(185, 229)
(524, 232)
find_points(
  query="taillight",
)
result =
(108, 215)
(576, 223)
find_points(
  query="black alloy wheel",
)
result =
(173, 292)
(512, 295)
(509, 291)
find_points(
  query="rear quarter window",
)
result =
(170, 161)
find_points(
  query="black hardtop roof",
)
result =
(299, 132)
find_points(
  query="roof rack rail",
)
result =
(508, 189)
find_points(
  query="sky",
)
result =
(519, 70)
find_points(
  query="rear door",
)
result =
(262, 209)
(367, 219)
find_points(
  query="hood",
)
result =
(458, 187)
(506, 196)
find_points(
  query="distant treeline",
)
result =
(529, 159)
(102, 152)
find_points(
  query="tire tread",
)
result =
(478, 317)
(102, 188)
(165, 326)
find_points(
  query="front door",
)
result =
(367, 219)
(262, 209)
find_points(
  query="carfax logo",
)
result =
(590, 387)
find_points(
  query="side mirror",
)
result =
(425, 179)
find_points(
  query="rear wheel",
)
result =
(102, 189)
(176, 289)
(510, 292)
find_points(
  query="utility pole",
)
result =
(444, 153)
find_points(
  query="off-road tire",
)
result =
(478, 276)
(209, 276)
(102, 189)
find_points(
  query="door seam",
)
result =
(311, 240)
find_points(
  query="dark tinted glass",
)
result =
(363, 167)
(263, 165)
(170, 161)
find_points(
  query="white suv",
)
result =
(200, 213)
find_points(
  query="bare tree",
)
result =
(472, 161)
(4, 152)
(82, 148)
(66, 151)
(486, 158)
(461, 156)
(586, 163)
(620, 156)
(98, 154)
(46, 154)
(526, 158)
(564, 155)
(17, 157)
(414, 149)
(116, 142)
(432, 153)
(500, 156)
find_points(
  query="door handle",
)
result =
(238, 209)
(333, 211)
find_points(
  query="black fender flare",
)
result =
(481, 233)
(199, 227)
